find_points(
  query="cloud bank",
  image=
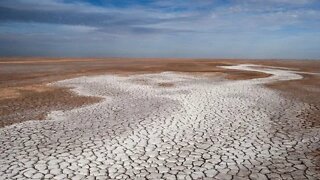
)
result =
(175, 28)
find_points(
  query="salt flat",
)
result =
(197, 128)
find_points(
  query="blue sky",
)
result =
(161, 28)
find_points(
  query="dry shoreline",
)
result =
(23, 81)
(169, 123)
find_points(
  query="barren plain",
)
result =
(159, 119)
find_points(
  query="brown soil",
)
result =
(299, 65)
(306, 90)
(34, 105)
(19, 72)
(24, 95)
(165, 84)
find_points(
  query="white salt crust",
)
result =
(198, 128)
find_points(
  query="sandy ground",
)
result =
(171, 125)
(167, 119)
(23, 81)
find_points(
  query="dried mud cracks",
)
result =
(199, 128)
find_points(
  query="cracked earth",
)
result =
(196, 128)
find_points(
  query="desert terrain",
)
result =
(118, 118)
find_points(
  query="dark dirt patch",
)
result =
(165, 84)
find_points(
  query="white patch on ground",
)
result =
(197, 128)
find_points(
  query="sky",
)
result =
(285, 29)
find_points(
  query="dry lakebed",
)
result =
(170, 125)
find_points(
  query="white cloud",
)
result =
(244, 26)
(292, 2)
(52, 5)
